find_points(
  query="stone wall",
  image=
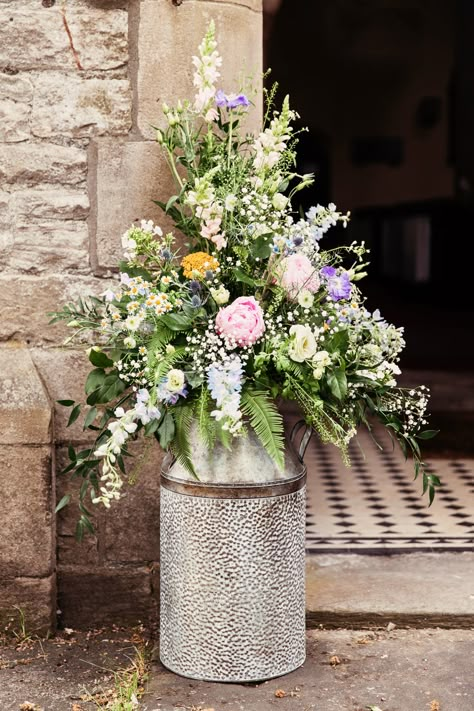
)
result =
(81, 84)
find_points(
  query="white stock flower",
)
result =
(303, 343)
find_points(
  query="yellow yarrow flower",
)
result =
(197, 264)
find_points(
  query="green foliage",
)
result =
(180, 446)
(266, 422)
(205, 423)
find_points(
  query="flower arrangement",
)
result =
(255, 309)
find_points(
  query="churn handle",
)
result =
(304, 441)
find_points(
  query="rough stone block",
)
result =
(35, 597)
(64, 373)
(130, 529)
(36, 37)
(165, 68)
(48, 246)
(129, 177)
(26, 511)
(25, 411)
(43, 163)
(118, 596)
(27, 300)
(16, 97)
(82, 107)
(56, 204)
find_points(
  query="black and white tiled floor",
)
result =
(376, 507)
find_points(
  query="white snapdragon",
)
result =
(270, 144)
(206, 74)
(129, 246)
(230, 203)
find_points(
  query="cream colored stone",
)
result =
(48, 246)
(139, 507)
(16, 96)
(45, 163)
(251, 4)
(64, 374)
(129, 177)
(26, 301)
(73, 106)
(49, 205)
(25, 410)
(165, 67)
(26, 508)
(36, 37)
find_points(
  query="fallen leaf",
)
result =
(28, 706)
(76, 707)
(334, 660)
(435, 705)
(280, 693)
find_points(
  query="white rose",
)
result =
(279, 201)
(175, 380)
(303, 344)
(220, 295)
(321, 359)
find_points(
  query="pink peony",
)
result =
(295, 273)
(241, 321)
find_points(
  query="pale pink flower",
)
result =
(219, 240)
(241, 321)
(295, 273)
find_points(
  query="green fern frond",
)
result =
(206, 424)
(266, 421)
(159, 340)
(167, 362)
(180, 446)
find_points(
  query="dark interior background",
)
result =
(386, 89)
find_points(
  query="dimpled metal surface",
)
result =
(232, 585)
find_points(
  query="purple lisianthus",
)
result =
(230, 101)
(338, 285)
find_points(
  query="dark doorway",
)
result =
(386, 90)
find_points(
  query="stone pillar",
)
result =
(27, 548)
(81, 83)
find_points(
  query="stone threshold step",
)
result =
(409, 590)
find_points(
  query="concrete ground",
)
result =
(74, 671)
(345, 670)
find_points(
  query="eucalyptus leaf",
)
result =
(62, 503)
(76, 411)
(337, 383)
(166, 430)
(100, 359)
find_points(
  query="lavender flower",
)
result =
(338, 285)
(231, 101)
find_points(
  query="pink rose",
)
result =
(295, 273)
(241, 321)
